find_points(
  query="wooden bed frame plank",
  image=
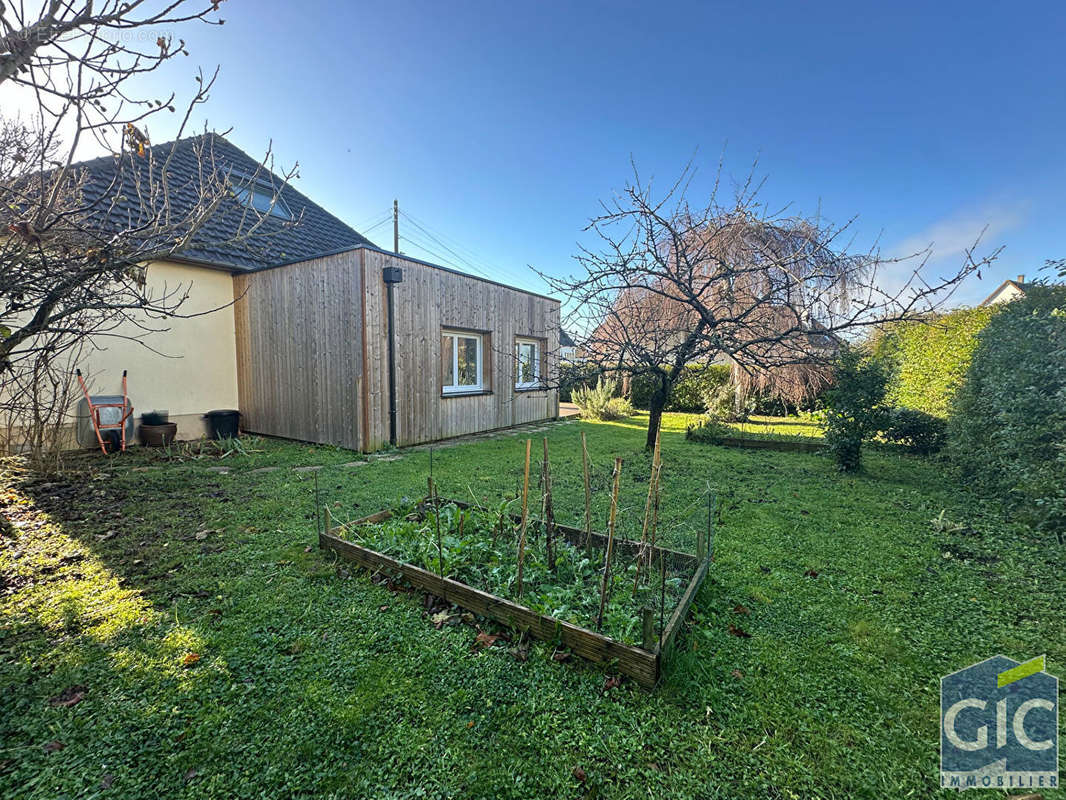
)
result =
(784, 445)
(644, 666)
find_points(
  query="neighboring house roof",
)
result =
(1008, 290)
(315, 231)
(564, 339)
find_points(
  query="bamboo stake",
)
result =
(318, 507)
(662, 596)
(644, 554)
(548, 511)
(610, 542)
(329, 521)
(432, 498)
(655, 514)
(588, 496)
(525, 518)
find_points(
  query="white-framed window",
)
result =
(527, 364)
(461, 360)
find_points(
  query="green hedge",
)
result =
(1007, 433)
(927, 361)
(689, 394)
(574, 376)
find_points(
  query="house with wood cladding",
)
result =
(317, 334)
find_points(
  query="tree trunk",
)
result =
(655, 412)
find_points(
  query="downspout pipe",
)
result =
(391, 276)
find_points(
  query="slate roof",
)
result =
(564, 339)
(314, 232)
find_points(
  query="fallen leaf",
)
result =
(53, 746)
(200, 536)
(191, 773)
(653, 765)
(190, 659)
(739, 609)
(468, 618)
(383, 608)
(579, 774)
(737, 674)
(612, 682)
(560, 655)
(470, 724)
(68, 697)
(106, 781)
(743, 634)
(483, 641)
(811, 573)
(307, 549)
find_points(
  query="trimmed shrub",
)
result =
(926, 360)
(1007, 433)
(599, 401)
(708, 431)
(919, 432)
(854, 410)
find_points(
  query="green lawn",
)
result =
(312, 680)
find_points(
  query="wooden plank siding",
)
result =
(429, 300)
(312, 352)
(300, 350)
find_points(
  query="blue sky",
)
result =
(502, 125)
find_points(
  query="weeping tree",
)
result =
(75, 250)
(671, 282)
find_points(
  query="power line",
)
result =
(442, 259)
(456, 245)
(374, 220)
(473, 262)
(470, 265)
(365, 231)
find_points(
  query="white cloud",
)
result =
(952, 236)
(942, 246)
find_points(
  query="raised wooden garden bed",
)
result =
(785, 445)
(643, 664)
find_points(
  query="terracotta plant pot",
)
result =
(157, 435)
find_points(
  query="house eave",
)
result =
(412, 259)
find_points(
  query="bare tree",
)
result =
(74, 251)
(673, 284)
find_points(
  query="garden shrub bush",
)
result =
(708, 431)
(1007, 432)
(599, 401)
(854, 406)
(926, 360)
(920, 432)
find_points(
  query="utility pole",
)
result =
(396, 226)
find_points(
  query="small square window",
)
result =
(259, 195)
(527, 364)
(461, 362)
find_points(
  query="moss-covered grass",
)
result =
(217, 653)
